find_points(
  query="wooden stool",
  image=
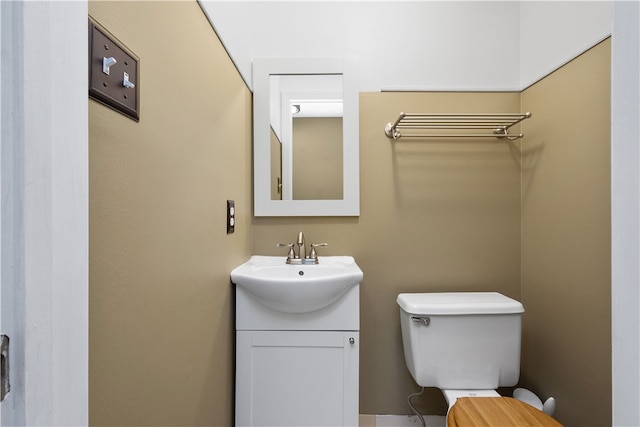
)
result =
(498, 412)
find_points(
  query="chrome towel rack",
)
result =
(409, 125)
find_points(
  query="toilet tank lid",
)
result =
(456, 303)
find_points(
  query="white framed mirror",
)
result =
(306, 138)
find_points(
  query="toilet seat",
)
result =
(496, 411)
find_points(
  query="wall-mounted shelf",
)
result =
(410, 125)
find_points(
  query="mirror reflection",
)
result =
(306, 119)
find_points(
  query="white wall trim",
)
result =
(625, 213)
(13, 407)
(46, 101)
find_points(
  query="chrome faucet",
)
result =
(302, 249)
(301, 257)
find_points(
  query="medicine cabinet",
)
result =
(306, 143)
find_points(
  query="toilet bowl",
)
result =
(467, 344)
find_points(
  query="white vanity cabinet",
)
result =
(297, 369)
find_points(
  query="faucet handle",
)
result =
(291, 253)
(313, 254)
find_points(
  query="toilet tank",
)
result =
(461, 340)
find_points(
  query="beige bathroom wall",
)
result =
(435, 216)
(160, 308)
(317, 158)
(566, 234)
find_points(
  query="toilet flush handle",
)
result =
(424, 320)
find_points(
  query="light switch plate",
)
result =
(113, 72)
(231, 216)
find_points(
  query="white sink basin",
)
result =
(297, 288)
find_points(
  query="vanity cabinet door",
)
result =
(297, 378)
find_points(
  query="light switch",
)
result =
(113, 72)
(231, 216)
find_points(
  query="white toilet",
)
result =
(465, 343)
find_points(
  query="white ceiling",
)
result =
(416, 45)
